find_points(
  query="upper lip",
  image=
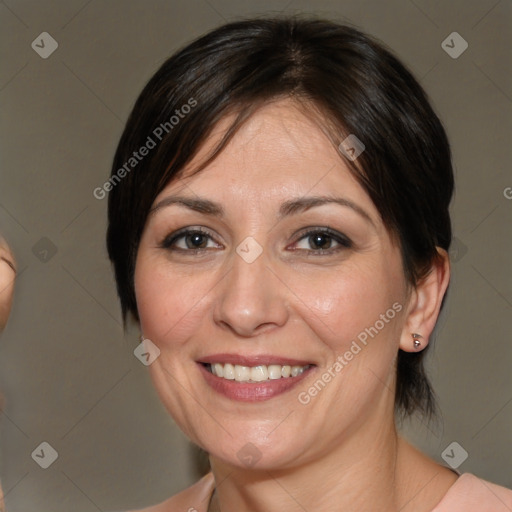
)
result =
(255, 360)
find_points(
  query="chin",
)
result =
(254, 449)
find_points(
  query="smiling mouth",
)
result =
(255, 374)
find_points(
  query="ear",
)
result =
(425, 304)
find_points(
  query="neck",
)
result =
(373, 470)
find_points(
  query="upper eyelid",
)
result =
(179, 233)
(332, 233)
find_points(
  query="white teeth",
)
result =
(258, 373)
(219, 370)
(274, 371)
(286, 371)
(297, 370)
(229, 371)
(242, 373)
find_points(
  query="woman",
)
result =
(279, 227)
(7, 276)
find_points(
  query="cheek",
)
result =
(357, 315)
(349, 301)
(170, 304)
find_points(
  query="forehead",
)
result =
(279, 151)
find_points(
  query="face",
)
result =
(7, 274)
(295, 305)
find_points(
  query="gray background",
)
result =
(67, 370)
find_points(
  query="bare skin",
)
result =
(339, 449)
(7, 276)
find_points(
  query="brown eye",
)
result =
(195, 240)
(187, 240)
(321, 241)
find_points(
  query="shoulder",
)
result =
(472, 494)
(193, 499)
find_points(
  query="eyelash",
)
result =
(343, 241)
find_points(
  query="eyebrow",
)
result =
(290, 207)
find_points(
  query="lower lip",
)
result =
(252, 391)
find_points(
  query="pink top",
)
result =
(468, 494)
(472, 494)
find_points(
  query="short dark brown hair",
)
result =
(357, 87)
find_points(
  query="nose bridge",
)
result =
(250, 296)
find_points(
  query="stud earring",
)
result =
(416, 340)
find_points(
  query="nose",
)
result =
(251, 299)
